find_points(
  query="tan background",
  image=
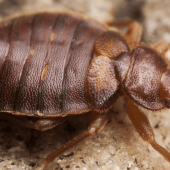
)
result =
(118, 146)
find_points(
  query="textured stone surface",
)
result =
(118, 146)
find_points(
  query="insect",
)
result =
(54, 65)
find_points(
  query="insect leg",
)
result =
(41, 124)
(97, 123)
(143, 127)
(163, 48)
(134, 29)
(133, 33)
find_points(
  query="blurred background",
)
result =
(118, 147)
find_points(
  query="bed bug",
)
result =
(57, 64)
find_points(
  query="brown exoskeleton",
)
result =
(53, 65)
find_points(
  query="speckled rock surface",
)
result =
(118, 146)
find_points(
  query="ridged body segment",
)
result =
(43, 62)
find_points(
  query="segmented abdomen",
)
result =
(43, 62)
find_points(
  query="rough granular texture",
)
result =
(118, 146)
